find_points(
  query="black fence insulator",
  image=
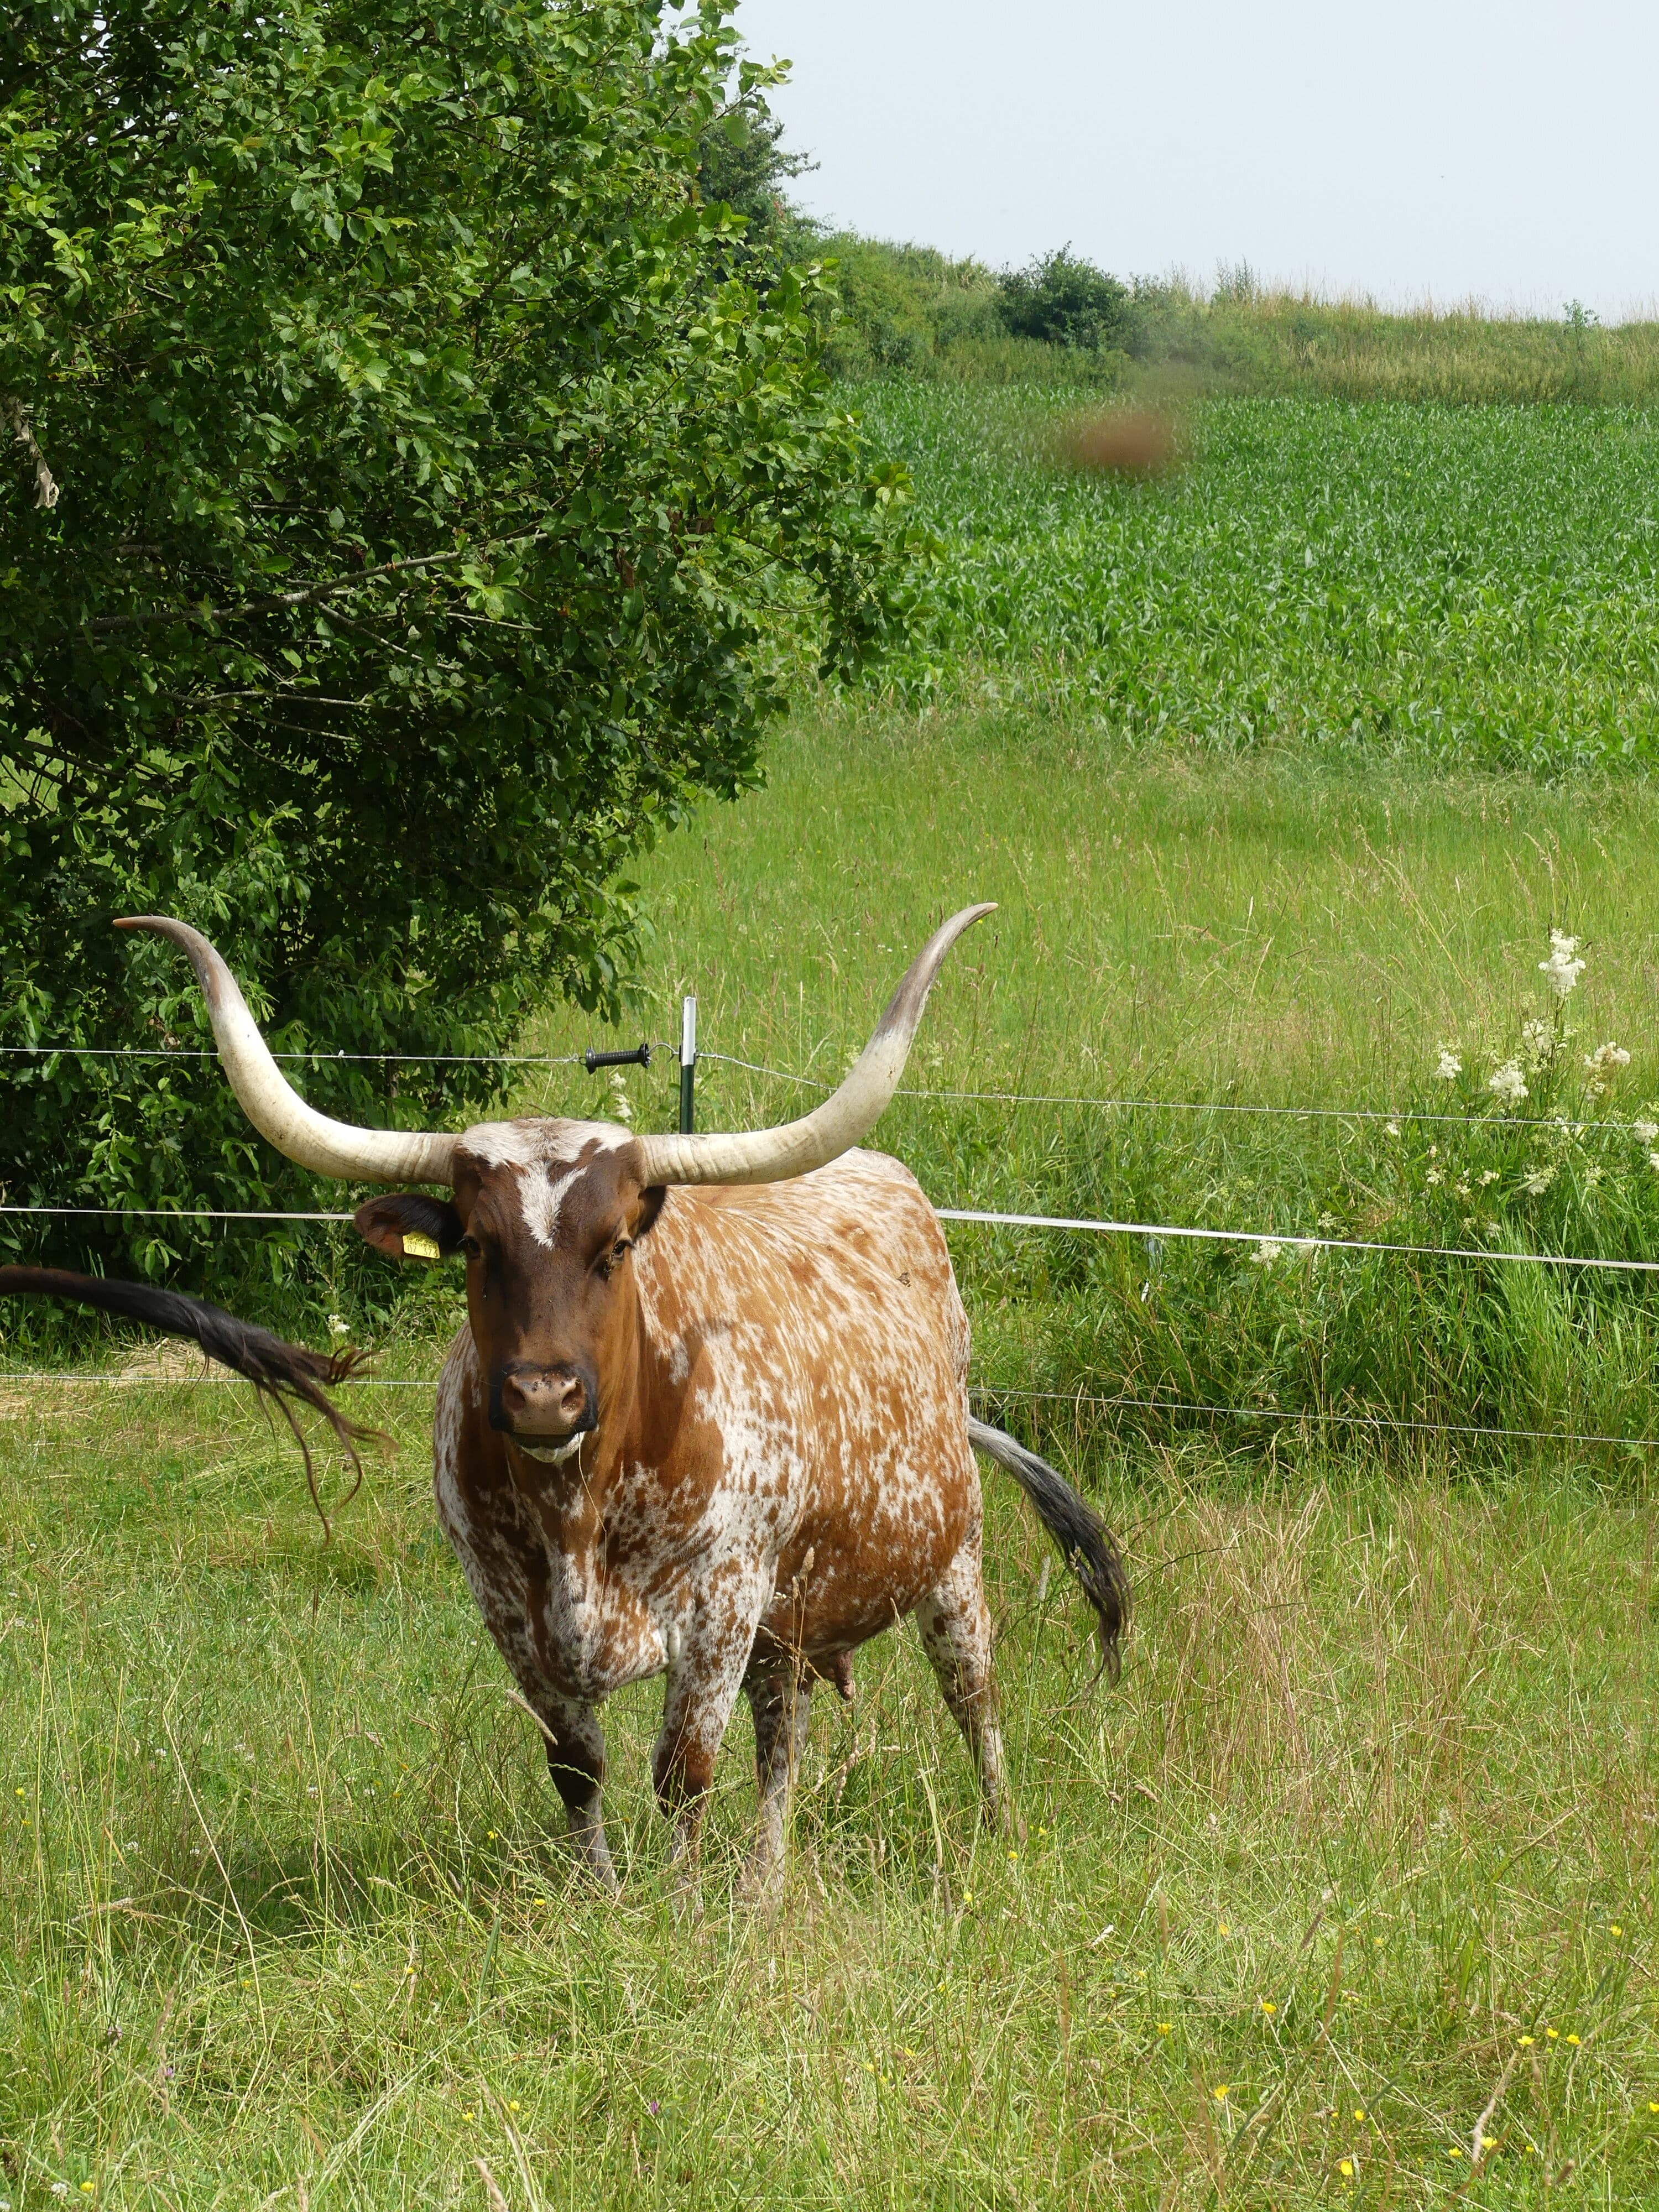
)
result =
(639, 1057)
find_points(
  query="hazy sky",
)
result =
(1507, 152)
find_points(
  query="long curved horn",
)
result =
(843, 1119)
(277, 1111)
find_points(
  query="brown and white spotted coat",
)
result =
(778, 1465)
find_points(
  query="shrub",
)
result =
(1066, 302)
(436, 515)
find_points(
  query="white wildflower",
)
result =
(1538, 1181)
(1269, 1249)
(1507, 1082)
(1392, 1129)
(1435, 1175)
(1538, 1044)
(1605, 1059)
(338, 1325)
(1593, 1174)
(1461, 1186)
(621, 1104)
(1450, 1067)
(1490, 1176)
(1644, 1132)
(1653, 1162)
(1562, 968)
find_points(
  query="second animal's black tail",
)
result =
(1084, 1539)
(281, 1373)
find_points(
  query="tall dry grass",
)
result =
(1356, 1866)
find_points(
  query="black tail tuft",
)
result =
(1084, 1539)
(280, 1372)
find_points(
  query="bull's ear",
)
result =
(651, 1203)
(407, 1226)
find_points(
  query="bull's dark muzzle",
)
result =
(546, 1404)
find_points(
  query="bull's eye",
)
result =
(619, 1251)
(472, 1247)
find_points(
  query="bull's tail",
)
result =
(1084, 1539)
(280, 1372)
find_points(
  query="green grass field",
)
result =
(1352, 1875)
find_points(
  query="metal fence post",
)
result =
(688, 1066)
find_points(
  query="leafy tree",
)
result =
(744, 164)
(1067, 301)
(408, 514)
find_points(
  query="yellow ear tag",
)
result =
(416, 1247)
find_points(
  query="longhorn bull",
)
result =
(707, 1418)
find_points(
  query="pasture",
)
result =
(1345, 1892)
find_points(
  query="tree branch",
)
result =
(299, 598)
(45, 484)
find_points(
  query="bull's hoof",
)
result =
(587, 1841)
(685, 1898)
(760, 1885)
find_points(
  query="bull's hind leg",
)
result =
(955, 1623)
(780, 1700)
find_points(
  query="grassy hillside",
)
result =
(911, 312)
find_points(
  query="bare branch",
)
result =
(207, 613)
(45, 484)
(309, 592)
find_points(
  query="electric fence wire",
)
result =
(1167, 1105)
(988, 1394)
(1272, 1243)
(318, 1056)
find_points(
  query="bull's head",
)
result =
(545, 1211)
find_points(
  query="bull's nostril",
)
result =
(545, 1400)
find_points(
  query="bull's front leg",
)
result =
(575, 1762)
(708, 1656)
